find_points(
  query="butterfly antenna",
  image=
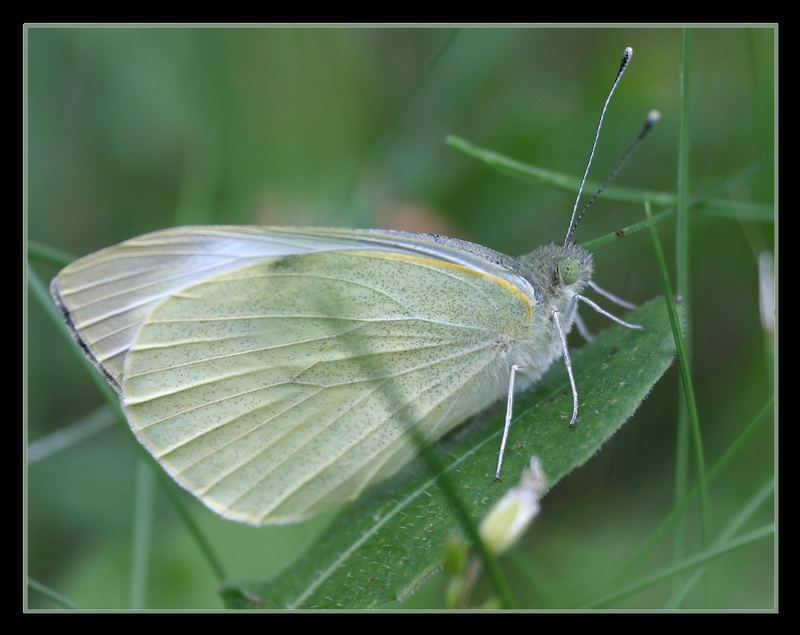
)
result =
(653, 117)
(626, 58)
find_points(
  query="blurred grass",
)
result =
(688, 416)
(687, 408)
(131, 130)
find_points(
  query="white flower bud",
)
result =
(511, 515)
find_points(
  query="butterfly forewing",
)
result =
(106, 295)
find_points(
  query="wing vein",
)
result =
(229, 355)
(375, 428)
(96, 283)
(300, 316)
(330, 423)
(133, 401)
(453, 276)
(317, 432)
(270, 274)
(159, 281)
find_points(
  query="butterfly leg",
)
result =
(572, 313)
(568, 363)
(509, 410)
(602, 311)
(614, 298)
(585, 333)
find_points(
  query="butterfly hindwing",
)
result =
(283, 388)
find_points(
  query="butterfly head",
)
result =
(557, 272)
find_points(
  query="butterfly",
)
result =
(276, 372)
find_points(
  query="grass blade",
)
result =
(747, 511)
(682, 591)
(49, 593)
(686, 379)
(684, 291)
(48, 255)
(730, 453)
(142, 532)
(467, 523)
(68, 436)
(558, 180)
(683, 232)
(756, 212)
(705, 206)
(170, 489)
(593, 244)
(704, 557)
(744, 514)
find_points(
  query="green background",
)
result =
(132, 129)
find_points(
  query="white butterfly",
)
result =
(277, 372)
(252, 362)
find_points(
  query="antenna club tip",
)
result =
(627, 54)
(653, 117)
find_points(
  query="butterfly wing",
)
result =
(284, 385)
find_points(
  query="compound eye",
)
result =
(569, 270)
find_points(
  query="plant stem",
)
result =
(64, 438)
(703, 205)
(48, 255)
(686, 380)
(203, 544)
(744, 514)
(49, 593)
(688, 564)
(730, 453)
(142, 531)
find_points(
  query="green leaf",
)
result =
(382, 547)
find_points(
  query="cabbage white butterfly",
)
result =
(256, 363)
